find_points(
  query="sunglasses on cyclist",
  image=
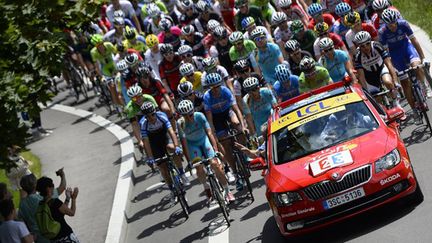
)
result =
(151, 114)
(254, 89)
(168, 53)
(135, 98)
(328, 50)
(365, 44)
(258, 39)
(187, 55)
(295, 53)
(215, 86)
(190, 75)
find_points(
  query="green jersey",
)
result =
(133, 109)
(321, 78)
(249, 47)
(307, 42)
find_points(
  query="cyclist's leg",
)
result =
(195, 154)
(388, 82)
(235, 122)
(415, 60)
(177, 159)
(164, 107)
(400, 61)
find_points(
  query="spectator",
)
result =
(12, 231)
(59, 209)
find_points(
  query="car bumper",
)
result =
(311, 215)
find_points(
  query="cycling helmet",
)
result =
(134, 90)
(307, 63)
(250, 84)
(212, 24)
(352, 18)
(148, 108)
(131, 59)
(143, 71)
(96, 39)
(325, 44)
(321, 28)
(213, 79)
(130, 33)
(362, 37)
(165, 24)
(278, 18)
(186, 69)
(380, 5)
(241, 65)
(220, 31)
(186, 4)
(119, 13)
(389, 16)
(187, 30)
(185, 89)
(209, 63)
(121, 65)
(285, 3)
(184, 49)
(119, 21)
(120, 47)
(246, 22)
(296, 26)
(153, 10)
(185, 107)
(342, 9)
(202, 6)
(152, 40)
(256, 33)
(235, 37)
(292, 46)
(166, 48)
(314, 9)
(239, 3)
(282, 73)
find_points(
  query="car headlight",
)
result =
(286, 198)
(388, 161)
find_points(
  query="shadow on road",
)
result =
(255, 211)
(419, 135)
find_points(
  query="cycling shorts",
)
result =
(201, 149)
(158, 147)
(402, 58)
(375, 78)
(108, 69)
(220, 122)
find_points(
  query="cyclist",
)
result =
(269, 55)
(243, 71)
(248, 25)
(322, 31)
(295, 55)
(227, 11)
(220, 109)
(359, 6)
(186, 91)
(153, 55)
(116, 35)
(353, 20)
(404, 50)
(337, 62)
(155, 15)
(198, 143)
(103, 21)
(374, 65)
(339, 27)
(189, 74)
(221, 48)
(126, 8)
(281, 33)
(169, 68)
(242, 49)
(211, 66)
(193, 39)
(312, 76)
(186, 54)
(244, 10)
(305, 38)
(258, 104)
(287, 85)
(293, 11)
(315, 10)
(379, 6)
(170, 34)
(159, 139)
(206, 13)
(189, 13)
(134, 40)
(146, 3)
(266, 8)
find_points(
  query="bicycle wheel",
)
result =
(179, 191)
(426, 117)
(426, 69)
(217, 194)
(244, 173)
(83, 89)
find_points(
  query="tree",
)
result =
(32, 44)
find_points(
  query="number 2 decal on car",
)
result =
(331, 161)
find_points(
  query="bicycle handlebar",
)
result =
(412, 69)
(205, 161)
(161, 160)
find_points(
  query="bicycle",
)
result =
(382, 97)
(77, 79)
(426, 69)
(243, 171)
(419, 93)
(216, 188)
(105, 95)
(179, 190)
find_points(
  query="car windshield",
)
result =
(321, 131)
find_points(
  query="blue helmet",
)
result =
(314, 9)
(342, 9)
(282, 73)
(246, 22)
(212, 79)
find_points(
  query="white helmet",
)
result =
(212, 24)
(153, 10)
(250, 84)
(186, 69)
(184, 49)
(185, 107)
(187, 30)
(325, 43)
(380, 4)
(278, 18)
(285, 3)
(185, 89)
(134, 90)
(121, 65)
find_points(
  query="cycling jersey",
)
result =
(378, 22)
(155, 89)
(259, 109)
(153, 59)
(282, 35)
(198, 101)
(221, 103)
(147, 128)
(253, 12)
(340, 29)
(238, 84)
(263, 29)
(297, 13)
(286, 93)
(321, 78)
(173, 38)
(373, 63)
(328, 18)
(201, 24)
(157, 134)
(295, 67)
(349, 36)
(330, 5)
(227, 11)
(170, 72)
(132, 110)
(158, 3)
(106, 59)
(197, 44)
(337, 41)
(139, 44)
(113, 37)
(335, 66)
(307, 42)
(185, 19)
(222, 53)
(125, 6)
(267, 60)
(220, 70)
(197, 76)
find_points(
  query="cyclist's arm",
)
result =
(250, 123)
(147, 147)
(350, 70)
(209, 117)
(136, 130)
(212, 139)
(362, 78)
(417, 46)
(185, 148)
(239, 115)
(169, 102)
(173, 136)
(81, 62)
(390, 67)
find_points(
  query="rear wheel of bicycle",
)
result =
(217, 194)
(244, 173)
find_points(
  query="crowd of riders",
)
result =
(186, 73)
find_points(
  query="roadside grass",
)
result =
(35, 167)
(418, 12)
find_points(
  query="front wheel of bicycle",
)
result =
(244, 173)
(217, 194)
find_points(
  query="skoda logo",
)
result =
(335, 176)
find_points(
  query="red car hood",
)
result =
(365, 149)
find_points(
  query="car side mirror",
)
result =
(394, 114)
(258, 164)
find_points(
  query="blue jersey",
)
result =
(398, 40)
(260, 110)
(161, 122)
(336, 67)
(194, 132)
(221, 103)
(287, 93)
(268, 60)
(340, 29)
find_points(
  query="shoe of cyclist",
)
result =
(208, 194)
(185, 180)
(230, 197)
(173, 197)
(230, 177)
(239, 184)
(417, 117)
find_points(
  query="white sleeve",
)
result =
(223, 72)
(349, 36)
(23, 231)
(316, 48)
(213, 51)
(128, 8)
(237, 88)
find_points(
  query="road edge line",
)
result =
(117, 226)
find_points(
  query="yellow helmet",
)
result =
(152, 40)
(351, 19)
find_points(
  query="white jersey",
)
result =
(112, 37)
(153, 59)
(125, 6)
(282, 35)
(219, 69)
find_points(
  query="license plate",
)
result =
(344, 198)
